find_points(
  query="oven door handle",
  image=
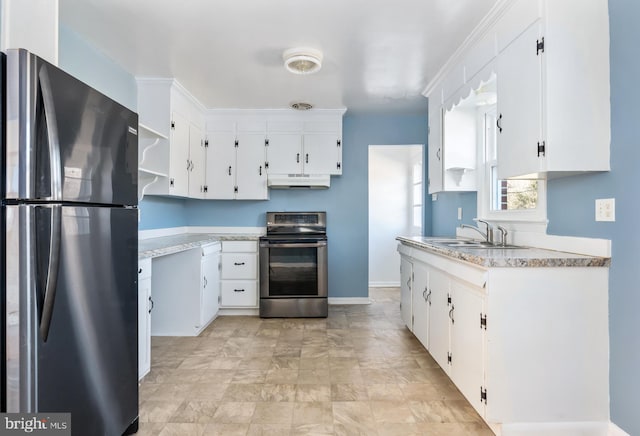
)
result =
(294, 245)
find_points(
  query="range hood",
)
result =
(298, 181)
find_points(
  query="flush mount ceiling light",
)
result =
(301, 106)
(302, 60)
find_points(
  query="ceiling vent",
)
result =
(302, 60)
(301, 106)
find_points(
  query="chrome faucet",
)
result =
(503, 235)
(467, 226)
(488, 235)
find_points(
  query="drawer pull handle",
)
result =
(139, 270)
(238, 263)
(152, 304)
(238, 290)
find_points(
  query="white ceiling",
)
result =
(378, 54)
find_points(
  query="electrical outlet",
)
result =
(459, 214)
(606, 209)
(434, 197)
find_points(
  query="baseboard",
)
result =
(349, 300)
(238, 312)
(614, 430)
(595, 428)
(384, 284)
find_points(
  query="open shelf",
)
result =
(153, 158)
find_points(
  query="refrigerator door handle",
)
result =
(52, 135)
(52, 270)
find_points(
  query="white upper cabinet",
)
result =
(166, 108)
(519, 107)
(309, 144)
(235, 161)
(551, 61)
(284, 153)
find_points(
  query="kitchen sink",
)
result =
(462, 243)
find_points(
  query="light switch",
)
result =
(606, 209)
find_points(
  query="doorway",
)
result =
(396, 196)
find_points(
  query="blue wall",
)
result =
(346, 202)
(83, 61)
(445, 211)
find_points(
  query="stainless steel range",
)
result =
(293, 265)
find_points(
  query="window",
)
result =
(417, 195)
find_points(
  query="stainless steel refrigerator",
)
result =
(69, 249)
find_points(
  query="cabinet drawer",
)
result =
(144, 268)
(243, 293)
(240, 246)
(239, 266)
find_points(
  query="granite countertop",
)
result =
(505, 257)
(162, 246)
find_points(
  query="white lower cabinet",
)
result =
(420, 300)
(527, 346)
(466, 363)
(210, 283)
(185, 289)
(145, 304)
(406, 274)
(239, 275)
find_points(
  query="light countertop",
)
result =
(162, 246)
(505, 257)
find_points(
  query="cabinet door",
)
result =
(210, 287)
(435, 149)
(197, 160)
(467, 342)
(221, 161)
(406, 272)
(144, 317)
(439, 317)
(420, 303)
(251, 176)
(179, 156)
(519, 76)
(322, 154)
(284, 153)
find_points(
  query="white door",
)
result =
(197, 159)
(179, 156)
(251, 176)
(467, 338)
(406, 272)
(284, 153)
(519, 79)
(439, 317)
(221, 162)
(210, 287)
(322, 155)
(420, 306)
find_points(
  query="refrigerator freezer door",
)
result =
(65, 141)
(85, 360)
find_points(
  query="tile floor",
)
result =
(358, 372)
